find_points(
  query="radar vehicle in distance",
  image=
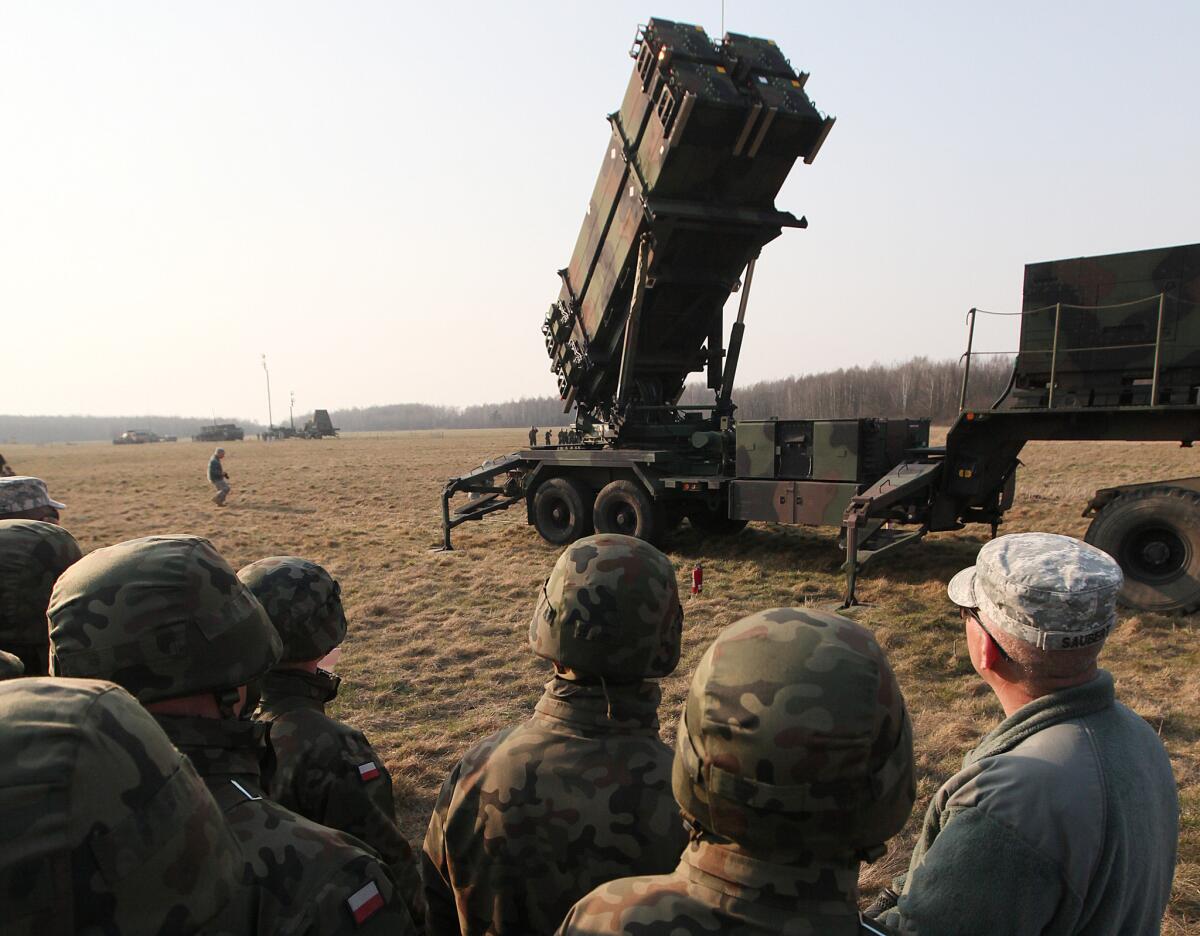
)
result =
(220, 432)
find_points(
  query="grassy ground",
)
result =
(437, 656)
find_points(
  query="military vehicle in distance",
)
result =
(320, 426)
(136, 437)
(682, 207)
(221, 432)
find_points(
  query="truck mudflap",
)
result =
(495, 485)
(896, 498)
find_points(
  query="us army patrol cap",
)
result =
(33, 554)
(24, 493)
(302, 600)
(162, 616)
(104, 826)
(795, 738)
(610, 608)
(1052, 591)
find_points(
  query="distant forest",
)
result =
(918, 387)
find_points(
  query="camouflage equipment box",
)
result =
(1110, 331)
(807, 470)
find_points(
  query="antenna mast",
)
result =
(270, 418)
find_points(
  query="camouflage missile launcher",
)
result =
(221, 432)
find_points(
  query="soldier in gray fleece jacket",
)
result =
(1065, 818)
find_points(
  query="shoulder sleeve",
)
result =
(441, 912)
(979, 876)
(360, 898)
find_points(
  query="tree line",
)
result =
(917, 387)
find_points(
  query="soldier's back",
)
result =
(328, 772)
(537, 815)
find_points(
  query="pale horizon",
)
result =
(378, 197)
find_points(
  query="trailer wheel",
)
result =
(714, 522)
(1154, 533)
(625, 507)
(561, 511)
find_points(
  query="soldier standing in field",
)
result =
(117, 835)
(537, 815)
(218, 477)
(324, 769)
(793, 764)
(1065, 817)
(532, 436)
(166, 618)
(33, 554)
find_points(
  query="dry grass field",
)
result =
(437, 657)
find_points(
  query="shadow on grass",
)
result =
(272, 508)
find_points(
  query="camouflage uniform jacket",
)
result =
(299, 877)
(328, 772)
(216, 471)
(537, 815)
(718, 888)
(1064, 820)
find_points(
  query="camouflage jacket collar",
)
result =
(756, 887)
(1093, 696)
(221, 750)
(288, 690)
(623, 708)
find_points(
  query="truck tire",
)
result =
(625, 507)
(714, 522)
(1154, 533)
(562, 512)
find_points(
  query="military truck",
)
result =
(136, 437)
(320, 426)
(682, 207)
(220, 432)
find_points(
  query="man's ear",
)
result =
(989, 653)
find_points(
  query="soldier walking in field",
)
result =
(1065, 818)
(324, 769)
(166, 618)
(793, 764)
(117, 834)
(537, 815)
(218, 477)
(33, 554)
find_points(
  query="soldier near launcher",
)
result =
(534, 817)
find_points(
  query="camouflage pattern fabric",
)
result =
(1052, 591)
(303, 602)
(162, 616)
(33, 555)
(537, 815)
(328, 772)
(793, 762)
(20, 492)
(104, 827)
(610, 608)
(298, 877)
(10, 666)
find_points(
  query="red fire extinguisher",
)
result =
(697, 579)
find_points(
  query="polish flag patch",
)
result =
(368, 771)
(364, 902)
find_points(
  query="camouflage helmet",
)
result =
(10, 666)
(107, 828)
(303, 602)
(163, 616)
(32, 555)
(610, 608)
(795, 738)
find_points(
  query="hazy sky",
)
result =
(377, 195)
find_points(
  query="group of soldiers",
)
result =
(185, 778)
(561, 436)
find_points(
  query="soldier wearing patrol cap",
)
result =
(534, 817)
(25, 498)
(324, 769)
(1065, 818)
(106, 828)
(33, 554)
(166, 618)
(793, 764)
